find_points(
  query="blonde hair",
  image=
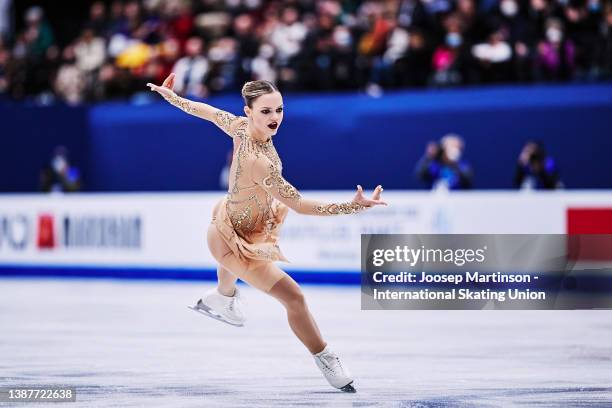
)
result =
(254, 89)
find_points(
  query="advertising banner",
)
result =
(169, 230)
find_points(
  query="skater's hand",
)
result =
(369, 202)
(165, 89)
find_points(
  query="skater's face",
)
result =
(266, 113)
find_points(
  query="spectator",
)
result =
(535, 169)
(287, 36)
(442, 166)
(90, 54)
(383, 66)
(223, 57)
(179, 20)
(247, 45)
(316, 68)
(450, 59)
(89, 51)
(343, 55)
(4, 68)
(70, 82)
(582, 24)
(412, 69)
(521, 33)
(30, 71)
(475, 25)
(262, 66)
(97, 19)
(606, 43)
(38, 34)
(59, 175)
(113, 83)
(5, 20)
(555, 53)
(191, 70)
(493, 58)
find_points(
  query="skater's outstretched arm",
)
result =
(268, 176)
(225, 120)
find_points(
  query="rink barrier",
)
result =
(165, 232)
(45, 271)
(595, 284)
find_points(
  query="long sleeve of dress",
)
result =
(226, 121)
(269, 177)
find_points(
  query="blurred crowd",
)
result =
(372, 45)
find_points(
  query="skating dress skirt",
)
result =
(249, 218)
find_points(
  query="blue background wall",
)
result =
(28, 135)
(326, 141)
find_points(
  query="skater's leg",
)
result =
(269, 278)
(222, 303)
(224, 255)
(300, 319)
(226, 281)
(253, 272)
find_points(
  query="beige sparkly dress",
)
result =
(250, 216)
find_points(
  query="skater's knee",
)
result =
(288, 293)
(296, 301)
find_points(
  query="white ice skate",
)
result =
(220, 307)
(335, 373)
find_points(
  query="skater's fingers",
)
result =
(378, 202)
(371, 203)
(168, 80)
(375, 196)
(377, 192)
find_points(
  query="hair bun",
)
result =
(251, 90)
(245, 87)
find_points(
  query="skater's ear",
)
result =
(247, 111)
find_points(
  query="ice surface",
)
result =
(136, 344)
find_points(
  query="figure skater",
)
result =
(243, 234)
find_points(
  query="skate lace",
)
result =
(236, 300)
(328, 361)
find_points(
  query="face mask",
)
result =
(453, 40)
(554, 35)
(252, 4)
(266, 51)
(215, 54)
(453, 154)
(509, 8)
(58, 163)
(342, 38)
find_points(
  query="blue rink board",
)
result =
(302, 276)
(589, 282)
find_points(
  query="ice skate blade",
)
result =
(206, 311)
(349, 388)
